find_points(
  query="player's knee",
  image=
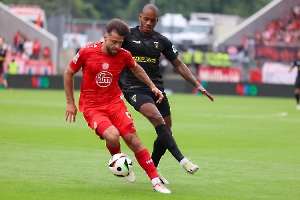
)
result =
(155, 118)
(133, 142)
(111, 135)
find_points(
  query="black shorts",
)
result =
(297, 83)
(137, 99)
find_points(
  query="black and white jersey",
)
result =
(146, 51)
(297, 64)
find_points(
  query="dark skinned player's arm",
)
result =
(184, 71)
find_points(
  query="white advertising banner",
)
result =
(278, 73)
(220, 74)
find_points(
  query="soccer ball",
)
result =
(120, 165)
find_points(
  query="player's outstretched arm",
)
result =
(71, 110)
(140, 73)
(203, 91)
(184, 71)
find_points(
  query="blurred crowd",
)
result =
(26, 48)
(22, 50)
(281, 31)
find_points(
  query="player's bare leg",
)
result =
(143, 157)
(112, 138)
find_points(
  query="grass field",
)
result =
(248, 148)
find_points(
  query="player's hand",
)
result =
(203, 91)
(71, 113)
(158, 93)
(208, 95)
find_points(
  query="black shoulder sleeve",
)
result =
(170, 52)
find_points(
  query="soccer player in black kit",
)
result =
(146, 46)
(297, 82)
(2, 60)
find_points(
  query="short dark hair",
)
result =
(150, 7)
(119, 26)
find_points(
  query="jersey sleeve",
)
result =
(79, 60)
(170, 52)
(130, 62)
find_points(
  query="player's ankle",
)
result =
(155, 181)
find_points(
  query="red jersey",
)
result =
(46, 52)
(36, 47)
(100, 75)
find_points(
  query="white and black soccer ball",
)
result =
(120, 165)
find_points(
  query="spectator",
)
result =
(46, 53)
(28, 47)
(258, 37)
(197, 59)
(36, 49)
(16, 40)
(13, 67)
(21, 41)
(296, 11)
(187, 58)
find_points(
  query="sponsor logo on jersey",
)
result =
(144, 59)
(156, 44)
(104, 79)
(136, 41)
(75, 59)
(133, 98)
(105, 66)
(174, 49)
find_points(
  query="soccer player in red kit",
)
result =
(100, 96)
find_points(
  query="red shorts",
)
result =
(102, 117)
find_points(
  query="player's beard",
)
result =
(111, 52)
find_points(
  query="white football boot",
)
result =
(159, 187)
(190, 167)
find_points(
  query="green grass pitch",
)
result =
(247, 147)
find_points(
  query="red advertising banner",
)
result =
(38, 67)
(276, 53)
(213, 74)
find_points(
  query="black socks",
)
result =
(165, 141)
(159, 150)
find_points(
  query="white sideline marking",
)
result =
(258, 116)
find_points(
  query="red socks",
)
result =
(143, 158)
(145, 161)
(113, 150)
